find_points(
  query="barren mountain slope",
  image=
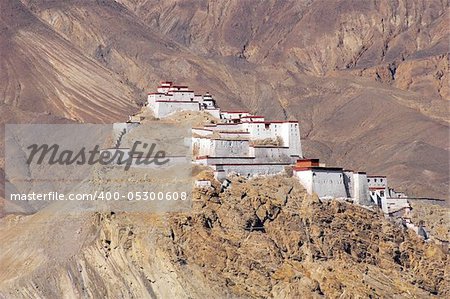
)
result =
(116, 38)
(261, 238)
(356, 122)
(42, 72)
(397, 42)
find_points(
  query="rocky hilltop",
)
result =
(260, 238)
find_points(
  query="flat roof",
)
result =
(268, 146)
(310, 160)
(232, 132)
(318, 168)
(173, 101)
(229, 139)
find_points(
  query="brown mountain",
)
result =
(44, 73)
(286, 60)
(367, 80)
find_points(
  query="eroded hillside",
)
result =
(400, 42)
(260, 238)
(300, 61)
(44, 73)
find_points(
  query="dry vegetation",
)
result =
(260, 238)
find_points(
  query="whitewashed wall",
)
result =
(252, 169)
(271, 154)
(229, 148)
(208, 161)
(325, 183)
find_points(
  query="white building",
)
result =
(378, 190)
(233, 116)
(249, 145)
(171, 98)
(332, 182)
(357, 187)
(246, 144)
(326, 182)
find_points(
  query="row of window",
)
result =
(375, 180)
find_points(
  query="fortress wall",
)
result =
(325, 183)
(229, 148)
(271, 154)
(208, 161)
(240, 135)
(183, 96)
(201, 146)
(252, 169)
(163, 109)
(361, 189)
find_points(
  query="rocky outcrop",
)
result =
(266, 238)
(259, 238)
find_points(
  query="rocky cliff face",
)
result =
(312, 36)
(260, 238)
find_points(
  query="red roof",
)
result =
(308, 160)
(317, 168)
